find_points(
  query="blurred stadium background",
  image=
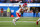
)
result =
(8, 10)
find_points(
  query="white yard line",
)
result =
(18, 21)
(20, 17)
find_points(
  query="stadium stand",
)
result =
(3, 1)
(16, 1)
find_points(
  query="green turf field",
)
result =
(22, 22)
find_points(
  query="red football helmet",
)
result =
(25, 4)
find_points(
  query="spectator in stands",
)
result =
(31, 1)
(0, 0)
(14, 1)
(8, 12)
(28, 1)
(37, 11)
(36, 1)
(3, 1)
(23, 1)
(7, 1)
(11, 1)
(1, 11)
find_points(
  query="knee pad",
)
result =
(17, 18)
(39, 19)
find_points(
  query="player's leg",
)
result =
(17, 18)
(14, 21)
(38, 21)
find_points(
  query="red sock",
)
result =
(37, 22)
